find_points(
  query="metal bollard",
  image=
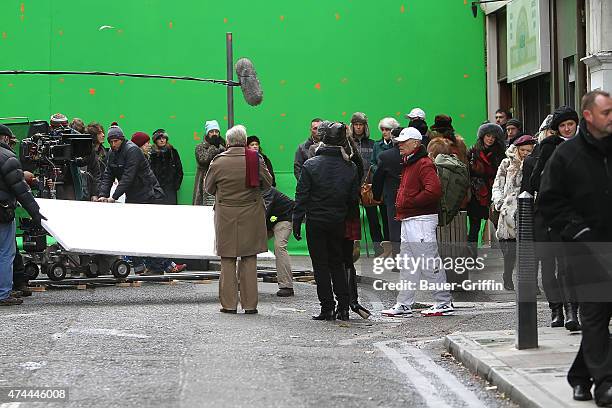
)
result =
(526, 306)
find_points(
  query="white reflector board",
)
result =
(163, 231)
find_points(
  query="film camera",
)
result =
(49, 154)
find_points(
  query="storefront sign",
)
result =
(528, 39)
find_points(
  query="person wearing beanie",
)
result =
(212, 145)
(142, 140)
(360, 133)
(58, 121)
(514, 129)
(254, 143)
(506, 189)
(565, 122)
(127, 164)
(329, 170)
(167, 166)
(418, 203)
(484, 159)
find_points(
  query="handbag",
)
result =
(367, 196)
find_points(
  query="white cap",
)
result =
(416, 113)
(409, 133)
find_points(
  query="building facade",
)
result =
(545, 53)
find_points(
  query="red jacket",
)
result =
(420, 191)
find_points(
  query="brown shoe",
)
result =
(10, 301)
(285, 292)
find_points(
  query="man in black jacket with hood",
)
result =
(575, 200)
(327, 186)
(128, 165)
(13, 189)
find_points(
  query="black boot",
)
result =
(325, 315)
(556, 314)
(571, 317)
(508, 284)
(342, 314)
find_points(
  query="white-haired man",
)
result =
(236, 178)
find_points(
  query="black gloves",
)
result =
(297, 230)
(37, 218)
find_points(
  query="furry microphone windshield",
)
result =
(251, 88)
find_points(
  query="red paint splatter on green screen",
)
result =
(462, 116)
(195, 136)
(398, 113)
(343, 113)
(282, 18)
(4, 35)
(61, 32)
(337, 16)
(121, 81)
(402, 8)
(225, 117)
(92, 91)
(318, 86)
(225, 20)
(172, 116)
(283, 115)
(170, 25)
(10, 85)
(466, 76)
(61, 80)
(122, 116)
(283, 82)
(22, 8)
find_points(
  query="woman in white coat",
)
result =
(506, 188)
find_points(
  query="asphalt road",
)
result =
(167, 345)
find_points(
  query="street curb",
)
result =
(508, 380)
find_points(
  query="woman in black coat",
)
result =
(254, 143)
(166, 165)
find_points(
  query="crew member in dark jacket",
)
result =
(327, 186)
(13, 189)
(279, 213)
(166, 165)
(128, 165)
(303, 151)
(385, 183)
(574, 200)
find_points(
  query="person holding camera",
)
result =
(13, 189)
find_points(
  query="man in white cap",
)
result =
(417, 204)
(416, 119)
(416, 113)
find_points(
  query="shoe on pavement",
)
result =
(285, 292)
(25, 291)
(10, 301)
(444, 309)
(251, 311)
(398, 310)
(582, 392)
(178, 268)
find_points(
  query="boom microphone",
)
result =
(251, 88)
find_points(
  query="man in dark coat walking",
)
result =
(326, 188)
(575, 200)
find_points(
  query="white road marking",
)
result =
(402, 359)
(101, 332)
(10, 405)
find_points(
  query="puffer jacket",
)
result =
(420, 190)
(506, 188)
(136, 179)
(327, 187)
(13, 187)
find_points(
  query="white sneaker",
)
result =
(398, 310)
(444, 309)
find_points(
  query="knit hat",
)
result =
(491, 129)
(140, 139)
(158, 134)
(252, 139)
(6, 131)
(58, 119)
(416, 113)
(114, 132)
(546, 123)
(211, 125)
(562, 114)
(359, 117)
(524, 140)
(515, 122)
(442, 123)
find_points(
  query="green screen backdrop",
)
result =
(325, 58)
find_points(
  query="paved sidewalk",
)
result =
(531, 378)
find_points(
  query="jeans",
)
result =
(7, 254)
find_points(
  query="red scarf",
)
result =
(252, 167)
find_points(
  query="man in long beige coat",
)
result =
(240, 221)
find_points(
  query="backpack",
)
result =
(455, 181)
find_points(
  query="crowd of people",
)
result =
(400, 184)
